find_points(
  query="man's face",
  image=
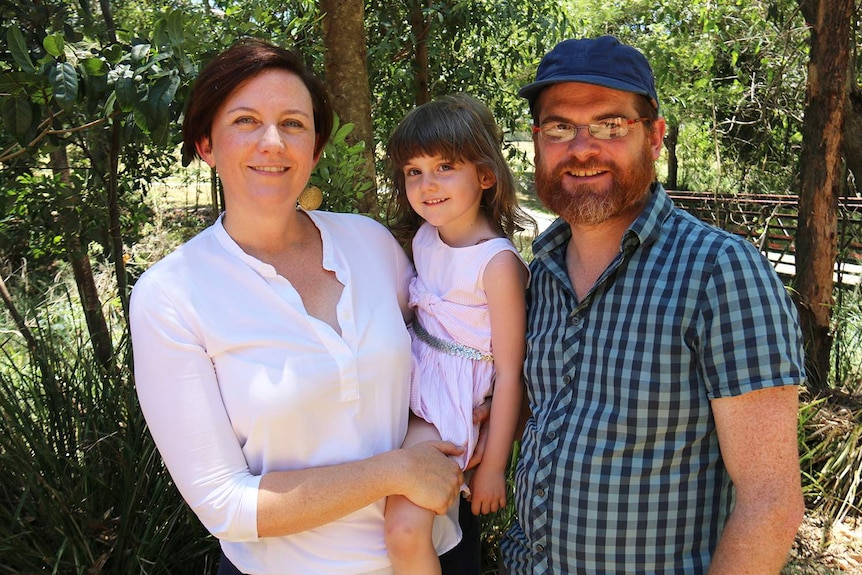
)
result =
(589, 181)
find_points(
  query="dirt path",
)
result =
(840, 552)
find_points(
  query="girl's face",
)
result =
(446, 194)
(262, 141)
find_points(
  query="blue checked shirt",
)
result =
(620, 469)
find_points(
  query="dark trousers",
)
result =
(464, 559)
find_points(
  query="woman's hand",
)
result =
(431, 478)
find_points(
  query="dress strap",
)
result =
(450, 347)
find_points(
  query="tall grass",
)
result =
(830, 424)
(82, 488)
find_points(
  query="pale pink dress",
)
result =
(449, 301)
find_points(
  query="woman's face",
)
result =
(262, 141)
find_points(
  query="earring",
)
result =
(310, 198)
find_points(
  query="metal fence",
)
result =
(770, 221)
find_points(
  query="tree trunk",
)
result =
(346, 69)
(822, 177)
(670, 140)
(109, 21)
(852, 133)
(114, 228)
(100, 336)
(419, 29)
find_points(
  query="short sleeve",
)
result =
(749, 327)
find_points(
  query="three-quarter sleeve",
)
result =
(180, 398)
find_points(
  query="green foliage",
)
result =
(731, 75)
(830, 439)
(28, 227)
(340, 173)
(291, 23)
(487, 49)
(102, 103)
(830, 425)
(82, 488)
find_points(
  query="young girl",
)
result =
(454, 195)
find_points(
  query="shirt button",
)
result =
(552, 435)
(540, 492)
(567, 379)
(540, 548)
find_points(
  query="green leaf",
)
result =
(113, 53)
(54, 45)
(17, 116)
(140, 51)
(127, 93)
(14, 83)
(162, 95)
(342, 133)
(160, 33)
(109, 103)
(18, 46)
(160, 133)
(175, 27)
(94, 66)
(64, 83)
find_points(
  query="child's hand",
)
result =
(487, 490)
(481, 417)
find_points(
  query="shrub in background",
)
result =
(82, 488)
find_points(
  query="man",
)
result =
(663, 357)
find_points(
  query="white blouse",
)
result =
(236, 380)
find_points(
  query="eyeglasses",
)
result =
(609, 129)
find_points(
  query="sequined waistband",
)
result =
(450, 347)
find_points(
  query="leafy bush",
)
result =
(82, 487)
(340, 172)
(830, 424)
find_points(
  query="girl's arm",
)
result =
(505, 280)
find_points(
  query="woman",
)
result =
(271, 355)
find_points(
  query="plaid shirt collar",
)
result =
(549, 247)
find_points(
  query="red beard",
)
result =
(588, 204)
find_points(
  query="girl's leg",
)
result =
(408, 526)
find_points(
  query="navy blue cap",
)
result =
(603, 61)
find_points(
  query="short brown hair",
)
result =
(232, 68)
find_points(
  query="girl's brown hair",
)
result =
(458, 128)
